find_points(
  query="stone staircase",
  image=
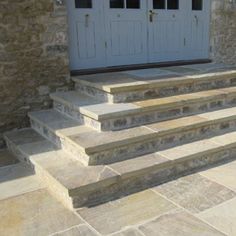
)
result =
(119, 133)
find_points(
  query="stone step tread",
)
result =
(102, 111)
(149, 78)
(90, 140)
(75, 177)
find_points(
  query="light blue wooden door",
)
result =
(126, 31)
(197, 29)
(107, 33)
(166, 29)
(87, 34)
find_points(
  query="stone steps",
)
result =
(105, 116)
(155, 83)
(93, 148)
(77, 185)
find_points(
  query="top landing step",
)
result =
(142, 84)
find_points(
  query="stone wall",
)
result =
(33, 58)
(223, 31)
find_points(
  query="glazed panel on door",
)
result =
(197, 29)
(166, 40)
(126, 32)
(86, 26)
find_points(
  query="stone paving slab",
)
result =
(222, 217)
(34, 214)
(181, 152)
(80, 230)
(130, 210)
(195, 193)
(129, 232)
(6, 158)
(224, 174)
(178, 223)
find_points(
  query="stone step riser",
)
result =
(150, 177)
(176, 88)
(150, 116)
(149, 144)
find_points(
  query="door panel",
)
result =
(126, 32)
(166, 38)
(197, 29)
(87, 42)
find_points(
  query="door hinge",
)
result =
(184, 41)
(105, 44)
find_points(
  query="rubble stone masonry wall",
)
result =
(33, 58)
(223, 31)
(34, 53)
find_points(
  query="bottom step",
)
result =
(77, 185)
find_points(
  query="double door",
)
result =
(107, 33)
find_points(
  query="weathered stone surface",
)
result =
(178, 223)
(222, 217)
(80, 230)
(134, 209)
(35, 213)
(195, 193)
(224, 174)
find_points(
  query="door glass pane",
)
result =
(132, 3)
(83, 3)
(116, 3)
(173, 4)
(196, 5)
(159, 4)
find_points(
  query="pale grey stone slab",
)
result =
(130, 210)
(223, 174)
(149, 72)
(219, 114)
(24, 136)
(222, 217)
(34, 214)
(225, 140)
(16, 180)
(106, 110)
(129, 232)
(6, 158)
(74, 98)
(95, 141)
(207, 66)
(195, 193)
(139, 163)
(80, 230)
(190, 150)
(179, 123)
(182, 70)
(178, 223)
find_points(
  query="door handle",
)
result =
(196, 18)
(87, 20)
(151, 14)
